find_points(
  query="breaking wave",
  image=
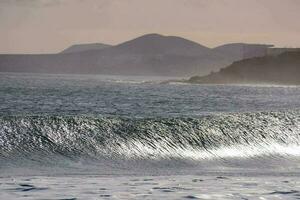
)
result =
(242, 136)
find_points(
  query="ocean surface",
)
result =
(110, 137)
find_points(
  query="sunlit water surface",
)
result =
(109, 137)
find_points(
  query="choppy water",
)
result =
(25, 94)
(157, 187)
(104, 129)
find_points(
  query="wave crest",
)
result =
(223, 136)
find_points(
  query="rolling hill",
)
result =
(148, 55)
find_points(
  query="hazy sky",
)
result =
(41, 26)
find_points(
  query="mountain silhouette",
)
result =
(148, 55)
(85, 47)
(159, 44)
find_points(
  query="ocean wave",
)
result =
(212, 137)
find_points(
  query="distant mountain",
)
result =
(155, 54)
(85, 47)
(281, 69)
(157, 44)
(148, 55)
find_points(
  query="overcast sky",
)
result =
(41, 26)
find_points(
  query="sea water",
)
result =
(110, 137)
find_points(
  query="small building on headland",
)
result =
(260, 50)
(255, 50)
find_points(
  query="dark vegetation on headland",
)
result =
(282, 69)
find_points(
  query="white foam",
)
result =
(159, 150)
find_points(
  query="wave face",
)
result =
(241, 136)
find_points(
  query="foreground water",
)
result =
(157, 187)
(95, 137)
